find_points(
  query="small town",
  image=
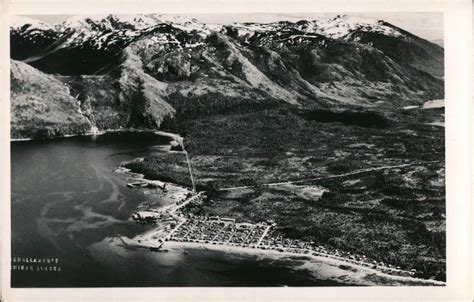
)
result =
(174, 225)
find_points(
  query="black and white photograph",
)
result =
(228, 150)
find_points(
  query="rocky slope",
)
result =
(142, 70)
(42, 106)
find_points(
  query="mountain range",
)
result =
(113, 72)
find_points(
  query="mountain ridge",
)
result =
(162, 65)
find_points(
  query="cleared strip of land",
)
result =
(328, 177)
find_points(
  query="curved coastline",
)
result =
(174, 136)
(358, 271)
(394, 279)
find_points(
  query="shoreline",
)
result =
(336, 264)
(174, 136)
(273, 254)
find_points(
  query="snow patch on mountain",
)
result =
(134, 22)
(335, 28)
(340, 26)
(98, 29)
(17, 22)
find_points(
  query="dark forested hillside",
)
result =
(113, 64)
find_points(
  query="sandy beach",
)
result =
(321, 267)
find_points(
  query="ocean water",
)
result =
(68, 204)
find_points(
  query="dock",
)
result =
(140, 184)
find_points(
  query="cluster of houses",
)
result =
(218, 230)
(226, 231)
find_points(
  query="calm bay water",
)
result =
(67, 203)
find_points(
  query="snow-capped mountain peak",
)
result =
(80, 23)
(17, 22)
(143, 21)
(342, 25)
(100, 36)
(135, 22)
(107, 32)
